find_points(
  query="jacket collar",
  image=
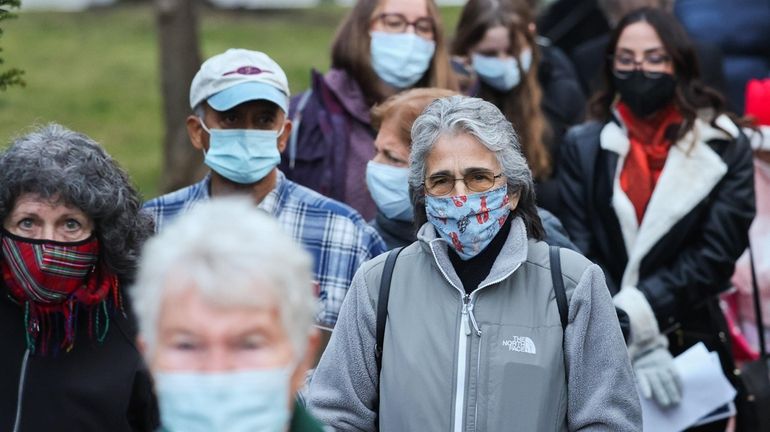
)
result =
(513, 253)
(691, 172)
(348, 93)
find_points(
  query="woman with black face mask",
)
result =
(657, 190)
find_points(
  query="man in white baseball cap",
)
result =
(240, 101)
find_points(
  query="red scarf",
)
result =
(650, 142)
(52, 280)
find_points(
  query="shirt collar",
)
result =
(272, 200)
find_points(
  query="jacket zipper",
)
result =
(465, 331)
(466, 319)
(20, 391)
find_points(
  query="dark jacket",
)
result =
(302, 421)
(95, 387)
(740, 29)
(332, 140)
(694, 228)
(564, 106)
(395, 233)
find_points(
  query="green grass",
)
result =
(97, 71)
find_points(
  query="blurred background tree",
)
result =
(180, 58)
(11, 76)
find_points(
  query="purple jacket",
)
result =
(332, 140)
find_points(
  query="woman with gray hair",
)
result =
(70, 239)
(476, 338)
(225, 306)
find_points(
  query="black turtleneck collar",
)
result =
(471, 272)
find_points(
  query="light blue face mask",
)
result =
(243, 156)
(389, 187)
(502, 74)
(242, 401)
(469, 222)
(400, 59)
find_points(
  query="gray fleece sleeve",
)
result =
(601, 391)
(343, 390)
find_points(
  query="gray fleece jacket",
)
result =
(494, 360)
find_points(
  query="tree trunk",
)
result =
(179, 61)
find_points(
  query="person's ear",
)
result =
(532, 28)
(283, 140)
(196, 133)
(513, 200)
(307, 361)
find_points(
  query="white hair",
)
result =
(233, 254)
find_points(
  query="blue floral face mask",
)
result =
(389, 187)
(400, 59)
(469, 222)
(243, 156)
(502, 75)
(240, 401)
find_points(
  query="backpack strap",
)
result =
(558, 286)
(382, 304)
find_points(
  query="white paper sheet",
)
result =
(704, 389)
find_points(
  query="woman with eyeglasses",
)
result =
(658, 191)
(497, 51)
(474, 338)
(381, 48)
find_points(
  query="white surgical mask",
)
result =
(243, 156)
(400, 59)
(240, 401)
(389, 187)
(502, 74)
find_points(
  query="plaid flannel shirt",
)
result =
(337, 237)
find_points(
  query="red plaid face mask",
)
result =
(47, 272)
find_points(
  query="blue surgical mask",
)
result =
(241, 401)
(243, 156)
(400, 59)
(502, 75)
(469, 222)
(389, 187)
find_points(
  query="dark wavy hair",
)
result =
(71, 168)
(691, 94)
(350, 51)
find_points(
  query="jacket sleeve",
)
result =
(573, 195)
(601, 390)
(703, 268)
(343, 390)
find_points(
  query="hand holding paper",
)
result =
(657, 377)
(704, 388)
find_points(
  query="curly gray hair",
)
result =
(484, 121)
(69, 167)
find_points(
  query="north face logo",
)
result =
(521, 344)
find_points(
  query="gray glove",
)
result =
(657, 376)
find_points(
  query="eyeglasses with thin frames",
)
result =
(652, 65)
(475, 181)
(397, 23)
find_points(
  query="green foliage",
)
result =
(11, 76)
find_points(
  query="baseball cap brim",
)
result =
(248, 91)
